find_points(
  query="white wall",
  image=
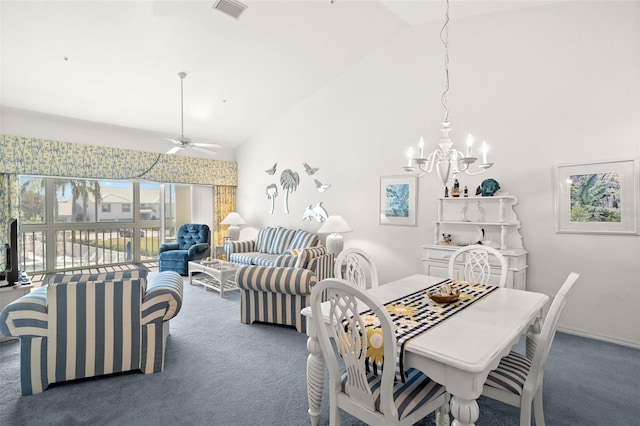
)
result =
(544, 86)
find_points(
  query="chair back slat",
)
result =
(356, 266)
(477, 265)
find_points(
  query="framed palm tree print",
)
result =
(597, 197)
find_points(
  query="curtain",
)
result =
(225, 202)
(9, 208)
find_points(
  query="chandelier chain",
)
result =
(444, 37)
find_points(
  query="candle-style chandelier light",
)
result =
(448, 161)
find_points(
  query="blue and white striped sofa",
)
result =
(87, 325)
(271, 243)
(277, 294)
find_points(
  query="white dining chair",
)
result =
(356, 266)
(518, 380)
(374, 399)
(477, 265)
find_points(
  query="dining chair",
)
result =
(518, 380)
(374, 399)
(356, 266)
(477, 265)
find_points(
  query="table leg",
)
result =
(315, 379)
(190, 277)
(465, 411)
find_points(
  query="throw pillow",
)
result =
(265, 238)
(303, 239)
(281, 240)
(308, 254)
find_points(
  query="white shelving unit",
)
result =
(468, 220)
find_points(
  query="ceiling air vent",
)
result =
(230, 7)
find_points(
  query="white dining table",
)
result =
(458, 353)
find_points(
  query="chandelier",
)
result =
(448, 161)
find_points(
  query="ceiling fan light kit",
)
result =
(182, 142)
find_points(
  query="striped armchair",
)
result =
(277, 294)
(87, 325)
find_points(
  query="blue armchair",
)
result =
(192, 243)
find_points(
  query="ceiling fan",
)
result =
(182, 142)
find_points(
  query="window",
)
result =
(80, 223)
(32, 200)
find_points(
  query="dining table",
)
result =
(458, 352)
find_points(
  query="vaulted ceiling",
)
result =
(116, 62)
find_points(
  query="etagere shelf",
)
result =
(469, 220)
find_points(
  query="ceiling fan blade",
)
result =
(206, 151)
(207, 145)
(174, 150)
(174, 140)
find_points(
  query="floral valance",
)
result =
(40, 157)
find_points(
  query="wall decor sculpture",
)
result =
(398, 200)
(320, 187)
(272, 170)
(289, 181)
(272, 193)
(318, 213)
(310, 170)
(598, 198)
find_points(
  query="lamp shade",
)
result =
(334, 224)
(233, 218)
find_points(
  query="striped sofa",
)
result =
(87, 325)
(270, 244)
(277, 294)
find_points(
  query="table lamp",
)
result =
(233, 219)
(334, 225)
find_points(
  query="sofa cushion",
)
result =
(281, 240)
(303, 239)
(254, 258)
(306, 255)
(265, 239)
(264, 259)
(286, 260)
(242, 258)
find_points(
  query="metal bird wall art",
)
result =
(320, 186)
(310, 170)
(272, 170)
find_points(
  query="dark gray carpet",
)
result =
(221, 372)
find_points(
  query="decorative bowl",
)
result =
(443, 298)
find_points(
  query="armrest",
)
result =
(167, 247)
(26, 316)
(274, 279)
(163, 298)
(322, 266)
(198, 250)
(244, 246)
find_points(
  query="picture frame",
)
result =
(597, 197)
(398, 200)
